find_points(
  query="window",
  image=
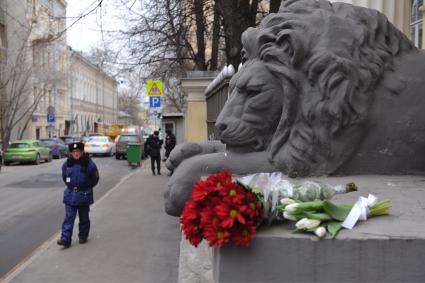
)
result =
(416, 22)
(129, 139)
(98, 139)
(19, 145)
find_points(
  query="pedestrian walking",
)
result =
(80, 175)
(170, 143)
(153, 149)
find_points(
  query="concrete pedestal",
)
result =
(382, 249)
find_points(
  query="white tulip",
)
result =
(291, 207)
(320, 232)
(289, 216)
(301, 224)
(311, 223)
(286, 201)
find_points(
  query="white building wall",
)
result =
(94, 95)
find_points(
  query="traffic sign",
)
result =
(154, 88)
(50, 118)
(154, 102)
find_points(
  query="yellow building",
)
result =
(195, 84)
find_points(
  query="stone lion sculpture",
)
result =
(325, 89)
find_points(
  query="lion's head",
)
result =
(304, 92)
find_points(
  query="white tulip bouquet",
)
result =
(308, 203)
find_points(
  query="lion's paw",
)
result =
(181, 152)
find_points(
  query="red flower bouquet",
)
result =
(221, 210)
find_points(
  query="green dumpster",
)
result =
(134, 154)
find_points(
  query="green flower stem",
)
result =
(317, 215)
(380, 208)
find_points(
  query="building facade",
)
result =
(93, 96)
(34, 74)
(50, 61)
(406, 15)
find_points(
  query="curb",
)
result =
(18, 268)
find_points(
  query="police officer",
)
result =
(80, 175)
(153, 149)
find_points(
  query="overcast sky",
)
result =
(86, 32)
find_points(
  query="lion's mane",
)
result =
(329, 59)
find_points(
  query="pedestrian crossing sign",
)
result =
(154, 88)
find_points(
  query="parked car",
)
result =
(85, 139)
(27, 151)
(122, 144)
(57, 146)
(100, 145)
(70, 139)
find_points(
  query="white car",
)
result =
(100, 145)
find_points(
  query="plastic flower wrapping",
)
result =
(225, 209)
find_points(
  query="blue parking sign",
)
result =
(50, 118)
(154, 101)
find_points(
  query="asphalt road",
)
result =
(31, 209)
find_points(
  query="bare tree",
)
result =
(15, 88)
(165, 38)
(130, 96)
(23, 83)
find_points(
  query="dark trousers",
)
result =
(167, 152)
(156, 159)
(68, 223)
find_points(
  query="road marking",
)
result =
(21, 265)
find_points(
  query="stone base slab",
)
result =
(382, 249)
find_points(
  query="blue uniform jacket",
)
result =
(80, 177)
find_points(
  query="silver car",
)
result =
(100, 145)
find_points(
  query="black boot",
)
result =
(159, 173)
(153, 173)
(63, 243)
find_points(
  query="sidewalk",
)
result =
(132, 239)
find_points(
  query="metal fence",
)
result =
(216, 99)
(216, 96)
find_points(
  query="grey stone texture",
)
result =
(195, 263)
(325, 89)
(382, 249)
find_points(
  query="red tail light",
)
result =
(105, 145)
(32, 149)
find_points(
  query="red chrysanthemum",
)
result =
(209, 219)
(242, 235)
(190, 220)
(220, 210)
(217, 237)
(201, 190)
(229, 214)
(254, 209)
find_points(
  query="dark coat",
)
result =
(153, 146)
(80, 176)
(170, 142)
